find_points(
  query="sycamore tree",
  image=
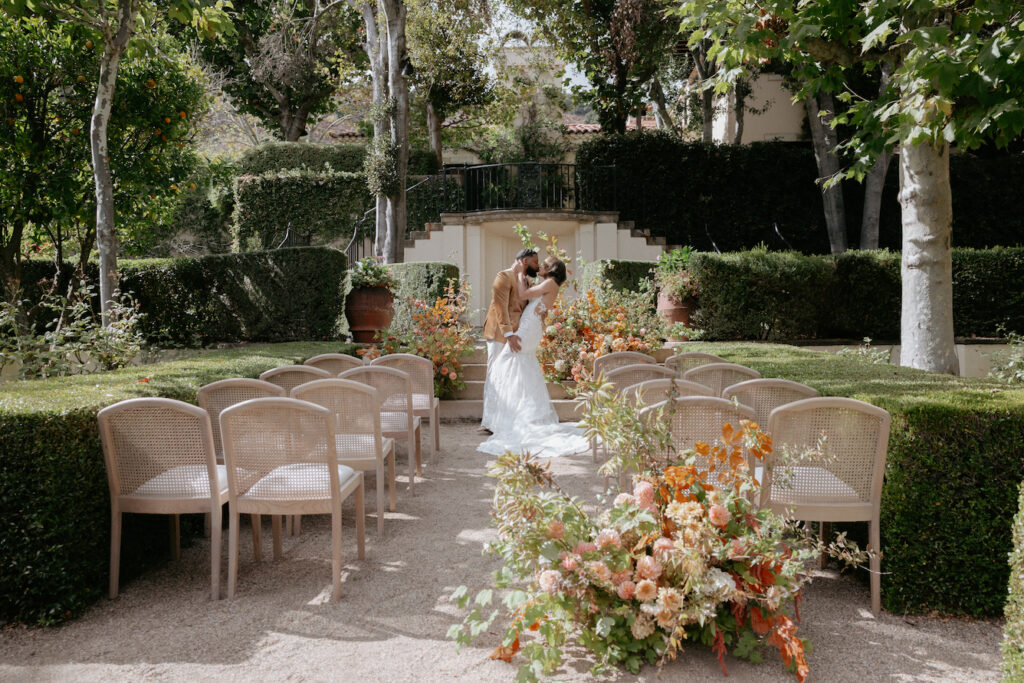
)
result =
(954, 76)
(117, 25)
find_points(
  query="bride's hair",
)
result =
(556, 270)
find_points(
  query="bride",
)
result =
(524, 419)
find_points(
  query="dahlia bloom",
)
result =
(646, 591)
(608, 538)
(626, 590)
(549, 581)
(719, 515)
(648, 568)
(644, 493)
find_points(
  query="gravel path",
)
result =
(391, 622)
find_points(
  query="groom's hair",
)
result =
(524, 253)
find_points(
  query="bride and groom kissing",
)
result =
(517, 409)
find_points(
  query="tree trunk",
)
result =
(106, 238)
(824, 140)
(434, 132)
(376, 51)
(661, 113)
(395, 14)
(705, 70)
(740, 92)
(874, 185)
(926, 320)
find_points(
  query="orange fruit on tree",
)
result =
(19, 80)
(167, 119)
(81, 79)
(18, 98)
(181, 114)
(88, 44)
(151, 83)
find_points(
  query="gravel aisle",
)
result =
(391, 622)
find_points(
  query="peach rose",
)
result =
(644, 493)
(719, 515)
(626, 590)
(648, 568)
(646, 590)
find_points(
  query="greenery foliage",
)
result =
(618, 274)
(730, 197)
(278, 295)
(325, 206)
(55, 539)
(272, 157)
(1013, 630)
(944, 546)
(370, 272)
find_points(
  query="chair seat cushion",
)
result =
(360, 446)
(298, 481)
(183, 481)
(808, 485)
(423, 401)
(397, 422)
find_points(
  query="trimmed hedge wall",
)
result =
(272, 157)
(55, 534)
(325, 205)
(956, 459)
(267, 296)
(423, 280)
(761, 295)
(620, 274)
(732, 197)
(1013, 630)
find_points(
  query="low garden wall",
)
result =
(955, 461)
(55, 536)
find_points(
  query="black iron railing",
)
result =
(521, 186)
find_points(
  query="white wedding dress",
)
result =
(520, 414)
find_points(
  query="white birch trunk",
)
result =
(434, 133)
(395, 14)
(926, 320)
(824, 140)
(376, 51)
(874, 186)
(106, 238)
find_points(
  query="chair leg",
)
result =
(257, 536)
(380, 498)
(275, 530)
(288, 525)
(215, 544)
(336, 551)
(875, 564)
(296, 525)
(115, 550)
(412, 461)
(435, 422)
(232, 551)
(206, 525)
(361, 520)
(419, 451)
(825, 532)
(176, 537)
(391, 477)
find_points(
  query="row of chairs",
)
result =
(296, 441)
(698, 393)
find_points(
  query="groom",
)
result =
(503, 318)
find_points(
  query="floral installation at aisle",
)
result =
(438, 332)
(598, 322)
(683, 557)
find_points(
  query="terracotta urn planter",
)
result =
(671, 310)
(368, 310)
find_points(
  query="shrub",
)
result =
(55, 538)
(272, 157)
(369, 272)
(729, 197)
(954, 464)
(618, 274)
(1013, 631)
(423, 280)
(326, 206)
(278, 295)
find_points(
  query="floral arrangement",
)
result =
(601, 320)
(438, 332)
(683, 557)
(370, 272)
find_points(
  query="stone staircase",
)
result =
(467, 405)
(655, 241)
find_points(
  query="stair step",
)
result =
(470, 410)
(474, 371)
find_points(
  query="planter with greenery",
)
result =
(370, 305)
(677, 290)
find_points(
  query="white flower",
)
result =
(718, 584)
(642, 627)
(551, 330)
(560, 365)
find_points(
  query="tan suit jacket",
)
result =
(506, 308)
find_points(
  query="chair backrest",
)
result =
(681, 362)
(657, 390)
(264, 434)
(394, 387)
(335, 363)
(419, 369)
(636, 373)
(765, 395)
(356, 412)
(619, 359)
(718, 376)
(697, 419)
(290, 376)
(216, 396)
(144, 438)
(848, 468)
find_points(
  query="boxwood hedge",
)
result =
(272, 157)
(1013, 630)
(620, 274)
(955, 461)
(55, 530)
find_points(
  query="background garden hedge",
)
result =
(1013, 631)
(272, 157)
(620, 274)
(280, 295)
(956, 459)
(423, 280)
(326, 206)
(729, 197)
(55, 530)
